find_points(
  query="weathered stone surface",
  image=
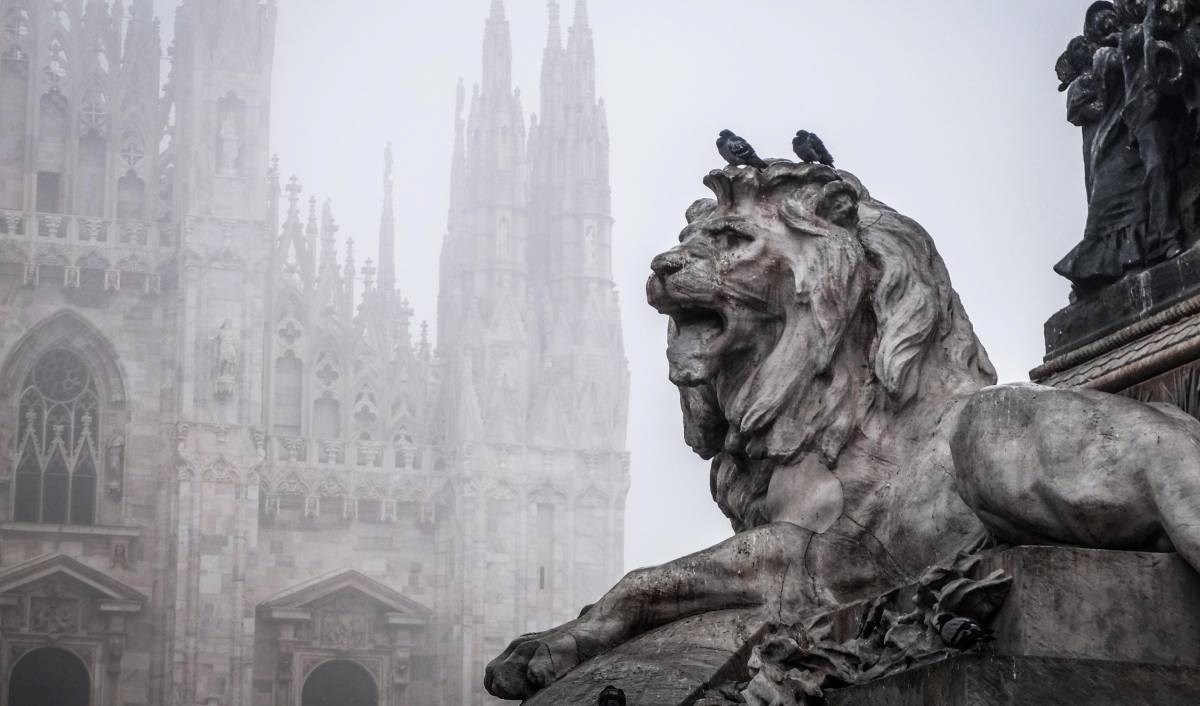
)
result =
(993, 680)
(1136, 607)
(1132, 299)
(1075, 620)
(667, 665)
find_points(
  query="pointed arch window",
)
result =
(289, 393)
(16, 32)
(131, 197)
(58, 448)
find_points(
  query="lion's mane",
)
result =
(874, 326)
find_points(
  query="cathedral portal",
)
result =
(49, 676)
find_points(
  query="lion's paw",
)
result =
(532, 662)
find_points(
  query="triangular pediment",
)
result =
(61, 567)
(350, 584)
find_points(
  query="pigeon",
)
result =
(809, 148)
(961, 633)
(611, 696)
(737, 151)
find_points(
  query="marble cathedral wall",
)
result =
(218, 492)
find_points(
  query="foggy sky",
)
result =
(946, 109)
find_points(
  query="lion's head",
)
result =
(802, 313)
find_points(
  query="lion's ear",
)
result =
(838, 204)
(701, 208)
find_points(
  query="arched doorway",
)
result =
(340, 682)
(49, 676)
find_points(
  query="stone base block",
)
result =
(1130, 300)
(996, 680)
(1137, 607)
(1144, 326)
(1080, 626)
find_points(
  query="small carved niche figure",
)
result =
(114, 651)
(230, 119)
(115, 464)
(226, 368)
(120, 556)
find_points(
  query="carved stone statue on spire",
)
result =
(227, 355)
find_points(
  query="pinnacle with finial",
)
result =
(368, 273)
(387, 167)
(293, 190)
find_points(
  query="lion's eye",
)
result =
(735, 238)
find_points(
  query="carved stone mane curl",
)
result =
(874, 326)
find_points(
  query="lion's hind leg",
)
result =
(1175, 487)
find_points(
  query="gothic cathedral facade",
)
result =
(229, 472)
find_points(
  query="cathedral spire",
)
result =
(497, 52)
(554, 32)
(458, 162)
(387, 229)
(552, 63)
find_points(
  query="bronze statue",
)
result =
(1132, 92)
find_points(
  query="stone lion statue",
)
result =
(828, 370)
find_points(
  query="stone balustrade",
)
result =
(58, 227)
(342, 453)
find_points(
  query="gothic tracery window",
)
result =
(16, 32)
(58, 448)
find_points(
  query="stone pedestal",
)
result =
(1144, 328)
(1024, 681)
(1080, 626)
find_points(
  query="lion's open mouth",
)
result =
(699, 317)
(695, 328)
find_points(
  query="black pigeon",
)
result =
(737, 151)
(809, 148)
(611, 696)
(961, 633)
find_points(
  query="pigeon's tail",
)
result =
(756, 162)
(823, 155)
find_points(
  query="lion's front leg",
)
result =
(534, 661)
(748, 570)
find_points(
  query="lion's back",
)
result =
(1040, 464)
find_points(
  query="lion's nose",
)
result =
(667, 263)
